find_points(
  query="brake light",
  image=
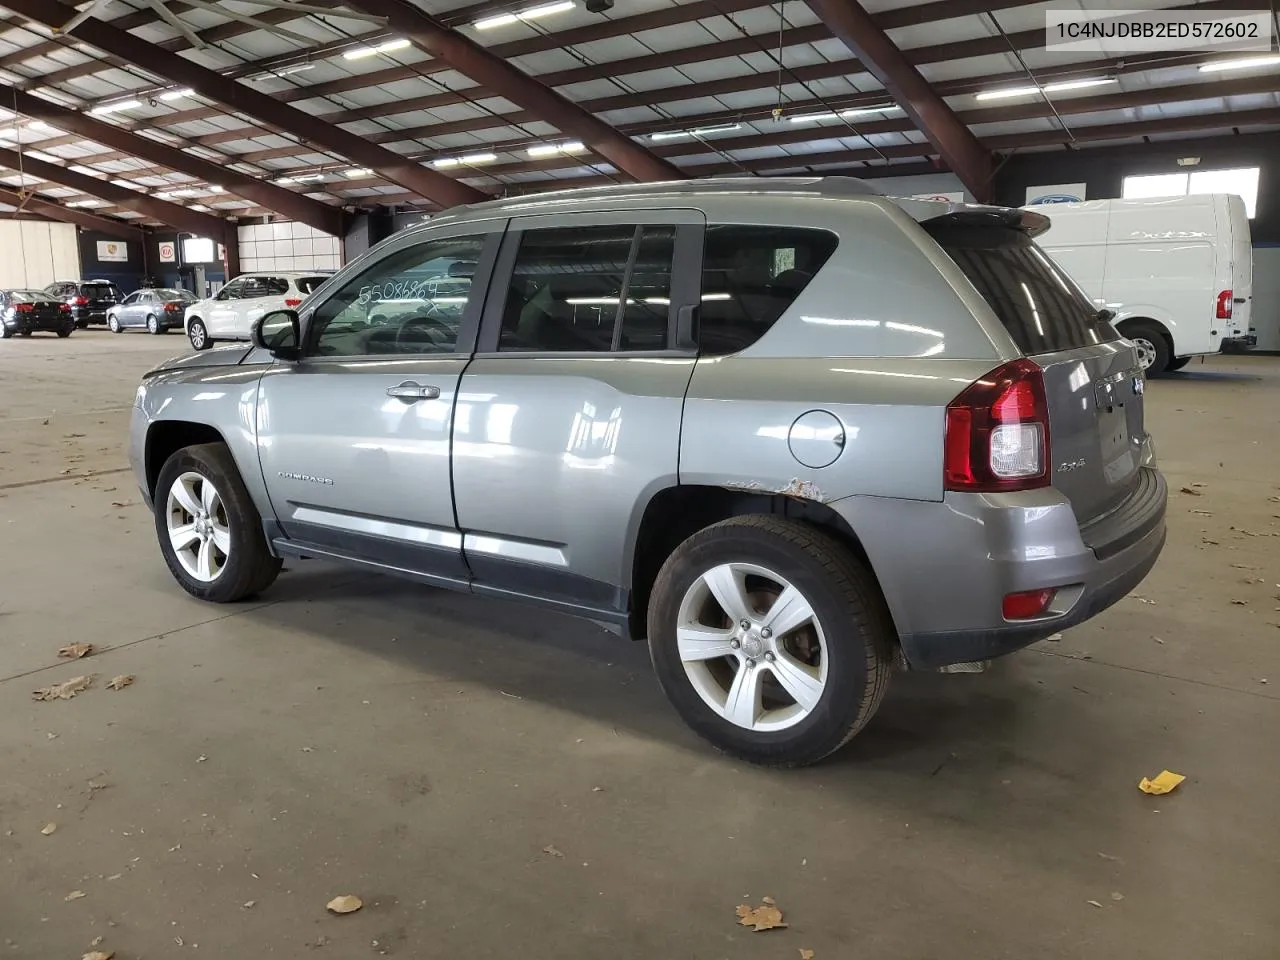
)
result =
(1028, 604)
(64, 307)
(24, 307)
(1225, 303)
(81, 301)
(997, 433)
(292, 301)
(172, 307)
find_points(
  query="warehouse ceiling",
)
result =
(187, 111)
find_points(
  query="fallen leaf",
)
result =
(122, 503)
(63, 691)
(1162, 784)
(1240, 603)
(48, 828)
(201, 759)
(1157, 640)
(1117, 897)
(806, 954)
(766, 917)
(98, 955)
(344, 904)
(769, 900)
(1055, 638)
(1107, 856)
(248, 904)
(550, 850)
(1094, 903)
(1201, 513)
(74, 895)
(120, 682)
(1243, 566)
(74, 651)
(1192, 491)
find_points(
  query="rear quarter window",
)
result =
(308, 285)
(1035, 300)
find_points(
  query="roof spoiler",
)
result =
(942, 213)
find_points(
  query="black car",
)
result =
(25, 311)
(156, 309)
(88, 299)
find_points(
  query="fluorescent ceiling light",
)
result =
(82, 203)
(700, 132)
(182, 192)
(115, 107)
(42, 127)
(551, 149)
(1242, 63)
(842, 114)
(284, 181)
(214, 188)
(177, 94)
(360, 53)
(533, 13)
(198, 206)
(356, 173)
(470, 160)
(1010, 92)
(309, 178)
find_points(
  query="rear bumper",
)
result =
(50, 324)
(89, 314)
(946, 567)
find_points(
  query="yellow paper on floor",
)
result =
(1161, 784)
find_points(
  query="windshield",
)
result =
(1041, 306)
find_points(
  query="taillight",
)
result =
(292, 301)
(172, 307)
(1225, 303)
(1027, 604)
(81, 301)
(24, 307)
(997, 436)
(64, 307)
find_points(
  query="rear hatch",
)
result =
(1092, 381)
(100, 295)
(1241, 265)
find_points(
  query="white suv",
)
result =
(230, 313)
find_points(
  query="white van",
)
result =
(1176, 272)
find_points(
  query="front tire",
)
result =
(198, 335)
(209, 530)
(771, 639)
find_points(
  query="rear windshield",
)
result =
(1041, 307)
(166, 293)
(27, 296)
(100, 290)
(309, 284)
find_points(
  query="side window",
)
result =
(132, 299)
(410, 302)
(254, 288)
(232, 290)
(276, 286)
(590, 289)
(750, 276)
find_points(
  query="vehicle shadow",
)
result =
(576, 666)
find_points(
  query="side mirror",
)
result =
(278, 333)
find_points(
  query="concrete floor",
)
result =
(350, 734)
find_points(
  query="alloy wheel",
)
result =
(198, 528)
(752, 647)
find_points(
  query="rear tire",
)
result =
(67, 331)
(5, 332)
(198, 335)
(1177, 363)
(1154, 349)
(240, 564)
(836, 651)
(153, 326)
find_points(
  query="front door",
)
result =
(354, 439)
(222, 312)
(569, 416)
(126, 313)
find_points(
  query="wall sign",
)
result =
(113, 251)
(168, 253)
(1056, 193)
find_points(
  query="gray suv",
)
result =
(793, 433)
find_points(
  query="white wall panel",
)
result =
(37, 253)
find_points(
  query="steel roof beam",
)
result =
(282, 201)
(867, 41)
(499, 77)
(50, 209)
(239, 98)
(172, 214)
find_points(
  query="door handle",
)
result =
(411, 392)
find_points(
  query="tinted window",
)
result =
(275, 286)
(1041, 307)
(255, 287)
(750, 276)
(410, 302)
(590, 289)
(309, 284)
(100, 291)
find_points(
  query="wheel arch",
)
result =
(167, 437)
(674, 513)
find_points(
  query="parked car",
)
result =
(25, 311)
(1177, 272)
(89, 300)
(794, 433)
(158, 310)
(229, 314)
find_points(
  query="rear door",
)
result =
(1241, 279)
(1092, 378)
(100, 296)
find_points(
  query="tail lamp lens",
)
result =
(997, 433)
